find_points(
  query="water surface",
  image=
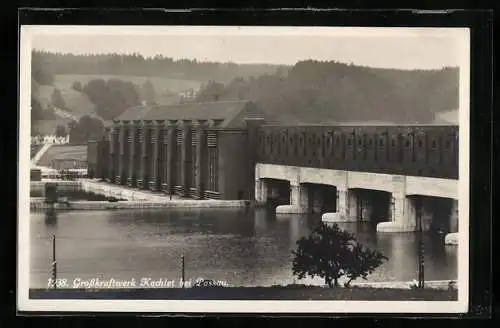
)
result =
(243, 247)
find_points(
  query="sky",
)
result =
(402, 48)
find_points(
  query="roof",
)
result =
(59, 152)
(227, 111)
(133, 113)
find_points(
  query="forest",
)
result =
(308, 92)
(321, 92)
(136, 64)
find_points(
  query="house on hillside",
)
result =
(49, 139)
(198, 150)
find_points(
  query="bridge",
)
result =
(388, 175)
(384, 174)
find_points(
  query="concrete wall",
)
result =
(402, 216)
(38, 187)
(406, 185)
(233, 165)
(432, 187)
(430, 151)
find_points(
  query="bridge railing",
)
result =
(414, 150)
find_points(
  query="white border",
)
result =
(201, 30)
(25, 304)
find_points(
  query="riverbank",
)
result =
(39, 204)
(135, 198)
(251, 293)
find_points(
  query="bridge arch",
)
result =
(272, 191)
(321, 197)
(370, 205)
(438, 214)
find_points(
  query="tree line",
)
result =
(318, 92)
(309, 92)
(138, 65)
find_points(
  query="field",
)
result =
(46, 127)
(161, 85)
(78, 102)
(167, 91)
(77, 152)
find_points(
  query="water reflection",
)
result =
(51, 217)
(251, 247)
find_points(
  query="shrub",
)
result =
(331, 253)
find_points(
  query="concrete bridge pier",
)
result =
(261, 191)
(342, 203)
(451, 238)
(345, 207)
(402, 215)
(299, 200)
(453, 223)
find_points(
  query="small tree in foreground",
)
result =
(331, 253)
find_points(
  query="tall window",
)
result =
(178, 157)
(139, 134)
(116, 151)
(151, 152)
(193, 158)
(162, 156)
(213, 183)
(146, 140)
(126, 150)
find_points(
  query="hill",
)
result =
(308, 92)
(167, 90)
(318, 92)
(76, 105)
(137, 65)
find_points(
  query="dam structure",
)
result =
(391, 175)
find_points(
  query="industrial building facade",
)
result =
(209, 150)
(197, 150)
(412, 150)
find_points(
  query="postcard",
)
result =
(240, 169)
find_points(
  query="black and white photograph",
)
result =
(235, 168)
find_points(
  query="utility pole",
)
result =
(54, 263)
(421, 267)
(182, 270)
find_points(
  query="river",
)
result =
(241, 247)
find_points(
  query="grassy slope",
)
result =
(78, 102)
(80, 105)
(160, 84)
(77, 152)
